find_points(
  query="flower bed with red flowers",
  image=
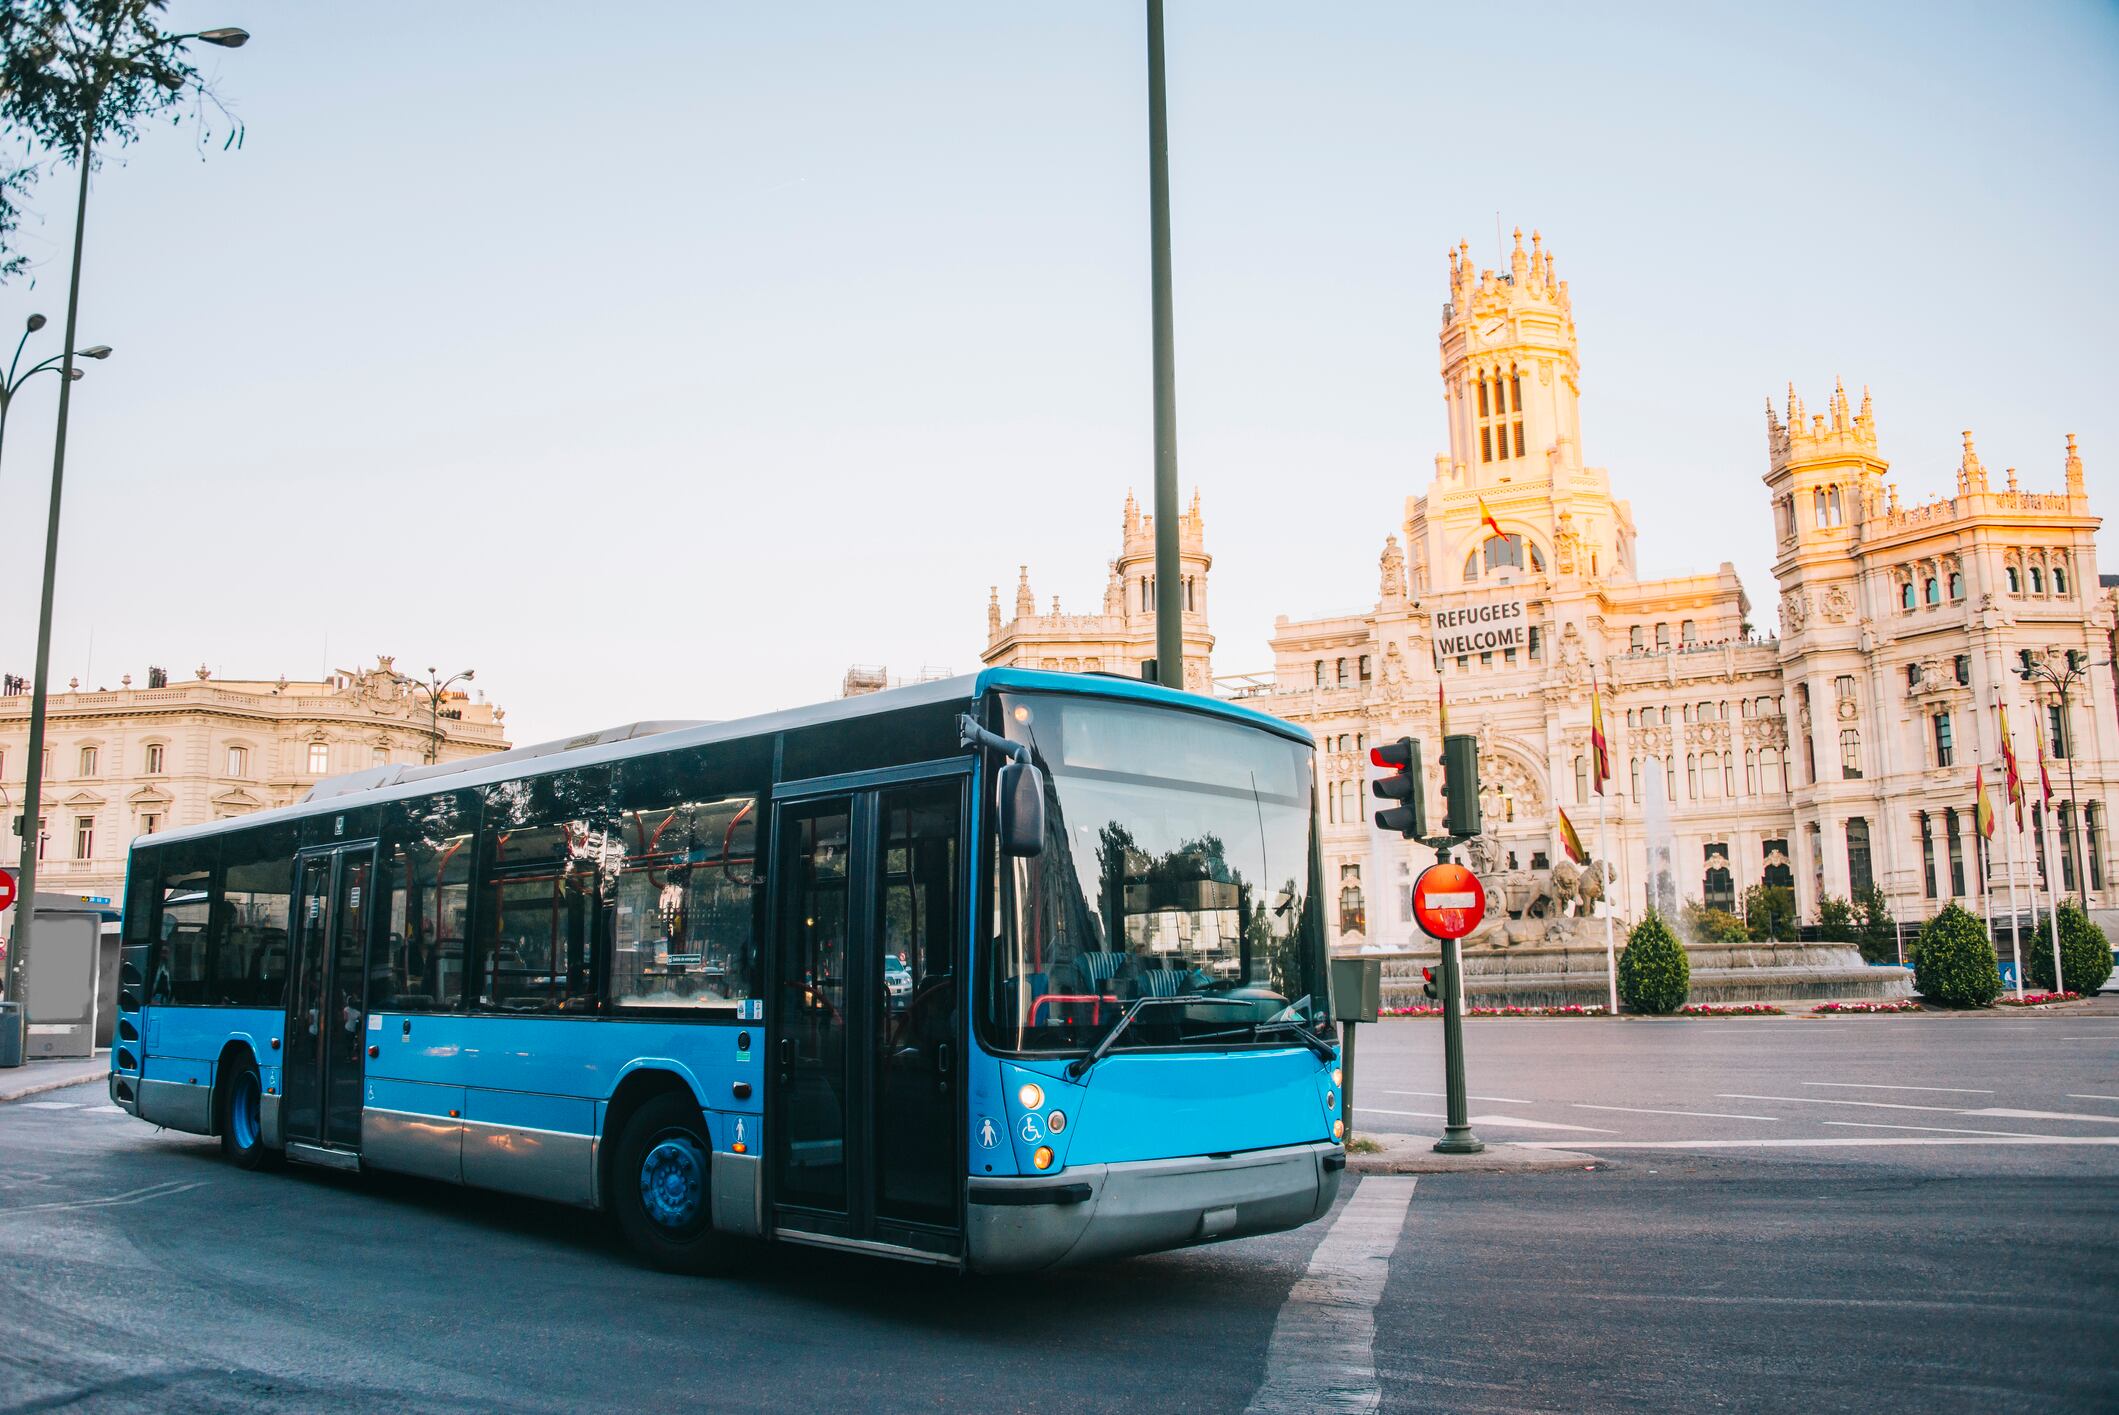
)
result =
(1896, 1004)
(2039, 999)
(1729, 1009)
(1571, 1010)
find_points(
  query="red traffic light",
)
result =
(1402, 787)
(1393, 756)
(1427, 982)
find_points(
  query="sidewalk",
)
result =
(36, 1077)
(1415, 1154)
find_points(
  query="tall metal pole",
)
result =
(2076, 815)
(1169, 576)
(33, 767)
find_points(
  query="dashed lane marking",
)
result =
(1822, 1142)
(1502, 1122)
(1646, 1110)
(2074, 1097)
(1483, 1100)
(1937, 1129)
(1323, 1352)
(2003, 1113)
(1863, 1085)
(50, 1105)
(1823, 1100)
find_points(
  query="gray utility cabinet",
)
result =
(65, 988)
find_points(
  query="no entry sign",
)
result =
(1448, 901)
(7, 889)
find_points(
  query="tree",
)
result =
(1769, 912)
(2085, 954)
(1878, 932)
(1704, 925)
(1654, 974)
(67, 66)
(1836, 920)
(1953, 960)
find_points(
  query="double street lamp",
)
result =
(2061, 680)
(96, 72)
(434, 688)
(14, 380)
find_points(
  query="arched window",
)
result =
(1750, 772)
(2059, 580)
(1636, 638)
(1582, 779)
(1832, 505)
(1364, 668)
(1320, 673)
(1849, 754)
(1956, 584)
(1729, 774)
(2015, 581)
(2037, 580)
(1692, 776)
(1818, 508)
(1905, 594)
(1189, 605)
(1510, 552)
(1344, 680)
(1353, 918)
(1931, 590)
(1636, 765)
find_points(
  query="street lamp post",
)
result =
(14, 380)
(435, 686)
(107, 65)
(2078, 667)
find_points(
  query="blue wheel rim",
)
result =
(673, 1182)
(243, 1112)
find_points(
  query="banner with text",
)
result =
(1483, 626)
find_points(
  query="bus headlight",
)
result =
(1032, 1095)
(1335, 1075)
(1339, 1130)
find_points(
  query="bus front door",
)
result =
(866, 1057)
(326, 1006)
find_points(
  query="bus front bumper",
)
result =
(1094, 1211)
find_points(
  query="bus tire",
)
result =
(659, 1186)
(241, 1122)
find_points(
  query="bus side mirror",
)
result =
(1022, 810)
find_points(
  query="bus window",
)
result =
(179, 970)
(544, 847)
(250, 917)
(428, 858)
(687, 893)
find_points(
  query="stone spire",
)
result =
(1132, 516)
(2074, 469)
(1025, 603)
(1971, 476)
(993, 611)
(1114, 590)
(1392, 563)
(2012, 479)
(1518, 263)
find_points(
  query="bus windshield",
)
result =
(1179, 863)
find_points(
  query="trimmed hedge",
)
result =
(1654, 974)
(2085, 953)
(1953, 961)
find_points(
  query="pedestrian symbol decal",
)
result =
(1031, 1133)
(739, 1132)
(988, 1136)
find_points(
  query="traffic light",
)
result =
(1427, 984)
(1402, 759)
(1460, 782)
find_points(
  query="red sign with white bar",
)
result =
(1448, 901)
(7, 890)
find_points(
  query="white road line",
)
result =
(1323, 1352)
(1483, 1100)
(1702, 1114)
(1863, 1085)
(1498, 1121)
(106, 1110)
(1938, 1129)
(1822, 1100)
(49, 1105)
(2003, 1113)
(134, 1196)
(1826, 1142)
(2071, 1095)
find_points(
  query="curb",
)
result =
(56, 1083)
(1415, 1154)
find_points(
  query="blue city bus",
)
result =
(998, 973)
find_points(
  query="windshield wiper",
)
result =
(1079, 1067)
(1310, 1039)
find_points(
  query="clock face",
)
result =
(1495, 330)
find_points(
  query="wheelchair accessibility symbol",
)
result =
(1031, 1133)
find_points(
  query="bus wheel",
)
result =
(242, 1121)
(659, 1186)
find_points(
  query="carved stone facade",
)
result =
(1121, 637)
(1812, 758)
(134, 760)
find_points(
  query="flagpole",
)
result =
(1611, 956)
(2052, 899)
(2008, 845)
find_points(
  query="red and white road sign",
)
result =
(1448, 901)
(7, 889)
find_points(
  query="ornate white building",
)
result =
(1837, 754)
(1122, 637)
(136, 760)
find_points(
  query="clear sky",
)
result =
(662, 361)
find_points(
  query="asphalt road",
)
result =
(1785, 1242)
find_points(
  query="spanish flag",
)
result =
(1569, 841)
(2045, 781)
(1599, 750)
(1486, 519)
(1982, 808)
(2008, 761)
